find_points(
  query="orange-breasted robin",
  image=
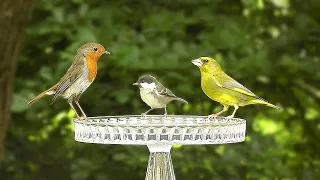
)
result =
(78, 77)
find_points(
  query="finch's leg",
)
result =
(84, 114)
(225, 108)
(75, 111)
(145, 113)
(234, 112)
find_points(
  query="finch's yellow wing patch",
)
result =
(217, 82)
(231, 84)
(243, 92)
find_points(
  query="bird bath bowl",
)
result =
(159, 133)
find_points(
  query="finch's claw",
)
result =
(229, 117)
(213, 116)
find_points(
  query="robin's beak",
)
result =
(136, 84)
(197, 62)
(106, 52)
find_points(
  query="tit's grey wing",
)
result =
(164, 91)
(73, 73)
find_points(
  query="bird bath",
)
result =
(159, 133)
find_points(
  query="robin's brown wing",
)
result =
(73, 73)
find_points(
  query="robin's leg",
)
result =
(83, 114)
(75, 111)
(225, 108)
(76, 100)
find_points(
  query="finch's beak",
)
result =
(197, 62)
(106, 52)
(136, 84)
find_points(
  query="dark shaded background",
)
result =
(270, 46)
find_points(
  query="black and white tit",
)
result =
(154, 94)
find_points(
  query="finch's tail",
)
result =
(47, 92)
(182, 100)
(262, 101)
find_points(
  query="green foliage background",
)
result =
(270, 46)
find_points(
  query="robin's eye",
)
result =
(95, 49)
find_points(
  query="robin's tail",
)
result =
(262, 101)
(47, 92)
(182, 100)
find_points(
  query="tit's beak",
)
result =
(106, 52)
(136, 84)
(197, 62)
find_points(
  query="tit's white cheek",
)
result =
(148, 86)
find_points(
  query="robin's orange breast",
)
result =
(91, 62)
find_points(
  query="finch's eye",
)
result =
(95, 49)
(206, 60)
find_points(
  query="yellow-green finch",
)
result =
(220, 87)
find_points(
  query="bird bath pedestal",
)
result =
(159, 133)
